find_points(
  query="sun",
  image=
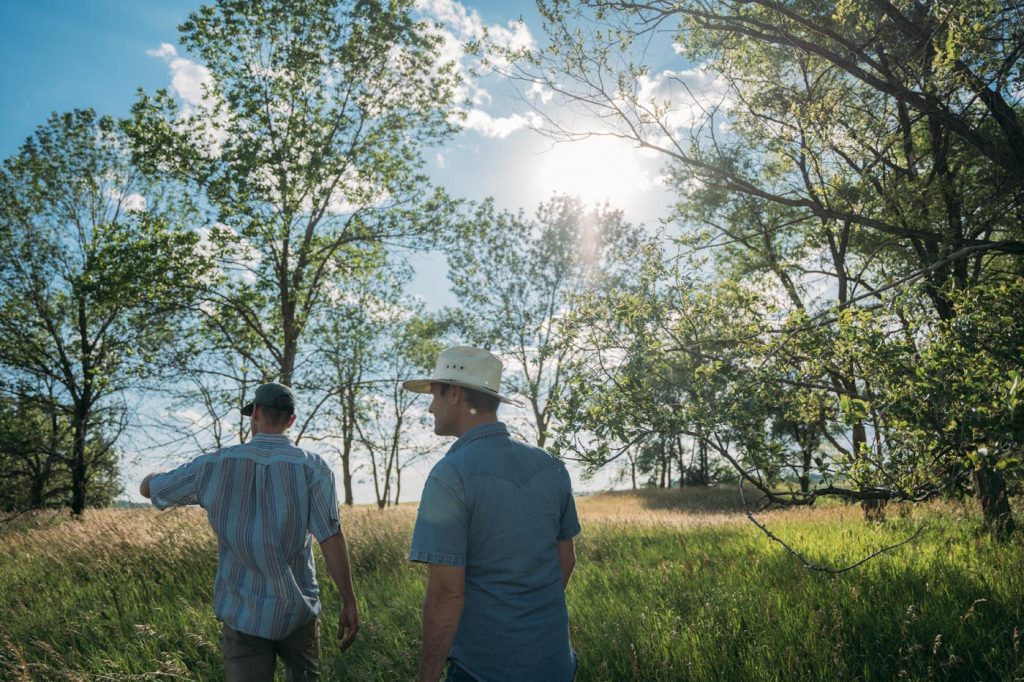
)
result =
(596, 169)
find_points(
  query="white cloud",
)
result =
(165, 51)
(687, 96)
(188, 80)
(134, 202)
(454, 15)
(460, 26)
(441, 161)
(480, 96)
(490, 126)
(539, 91)
(127, 202)
(239, 259)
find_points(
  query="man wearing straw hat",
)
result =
(496, 524)
(266, 500)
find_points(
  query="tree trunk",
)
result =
(346, 472)
(990, 491)
(805, 473)
(874, 510)
(348, 418)
(36, 495)
(540, 422)
(398, 484)
(705, 475)
(78, 492)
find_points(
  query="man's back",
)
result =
(499, 508)
(262, 498)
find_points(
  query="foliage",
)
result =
(856, 168)
(36, 455)
(519, 278)
(306, 152)
(374, 338)
(94, 278)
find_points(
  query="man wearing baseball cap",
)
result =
(496, 524)
(266, 499)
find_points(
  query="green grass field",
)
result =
(670, 585)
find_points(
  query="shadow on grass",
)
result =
(694, 499)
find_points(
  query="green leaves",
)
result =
(95, 282)
(308, 147)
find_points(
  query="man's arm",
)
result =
(442, 609)
(566, 559)
(335, 551)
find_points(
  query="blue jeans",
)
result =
(456, 673)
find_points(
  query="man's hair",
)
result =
(477, 399)
(275, 417)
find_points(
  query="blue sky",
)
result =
(58, 55)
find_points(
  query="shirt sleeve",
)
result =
(323, 505)
(439, 536)
(569, 524)
(175, 487)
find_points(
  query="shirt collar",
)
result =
(272, 438)
(477, 432)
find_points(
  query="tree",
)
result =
(351, 338)
(875, 145)
(34, 447)
(93, 281)
(308, 153)
(518, 278)
(408, 341)
(384, 434)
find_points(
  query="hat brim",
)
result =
(423, 386)
(247, 409)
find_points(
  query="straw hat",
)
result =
(465, 366)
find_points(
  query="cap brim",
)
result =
(247, 410)
(423, 386)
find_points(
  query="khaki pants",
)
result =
(248, 658)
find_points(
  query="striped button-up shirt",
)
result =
(264, 499)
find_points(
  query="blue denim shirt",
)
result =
(266, 500)
(498, 507)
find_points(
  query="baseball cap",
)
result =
(273, 395)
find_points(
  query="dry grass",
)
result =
(55, 535)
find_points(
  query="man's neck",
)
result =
(470, 421)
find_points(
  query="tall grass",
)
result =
(669, 586)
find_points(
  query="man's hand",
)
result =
(144, 486)
(348, 625)
(335, 551)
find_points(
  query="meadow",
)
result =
(670, 585)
